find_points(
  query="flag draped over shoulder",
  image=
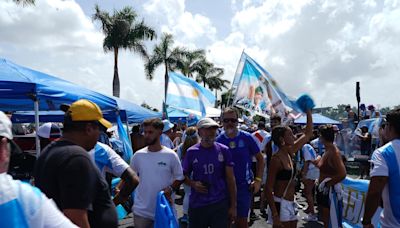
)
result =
(256, 91)
(186, 93)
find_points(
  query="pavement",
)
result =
(258, 223)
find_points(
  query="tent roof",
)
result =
(19, 85)
(318, 119)
(134, 113)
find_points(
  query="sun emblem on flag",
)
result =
(195, 93)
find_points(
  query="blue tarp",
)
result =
(135, 113)
(19, 85)
(318, 119)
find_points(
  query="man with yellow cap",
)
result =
(64, 170)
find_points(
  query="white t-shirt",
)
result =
(318, 145)
(37, 209)
(106, 159)
(309, 154)
(166, 141)
(156, 170)
(380, 168)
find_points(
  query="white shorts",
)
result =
(288, 211)
(312, 174)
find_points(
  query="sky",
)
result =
(317, 47)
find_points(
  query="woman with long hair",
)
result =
(332, 170)
(280, 186)
(190, 138)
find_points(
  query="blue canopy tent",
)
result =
(130, 112)
(134, 113)
(24, 89)
(21, 86)
(318, 119)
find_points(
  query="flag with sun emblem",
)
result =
(186, 93)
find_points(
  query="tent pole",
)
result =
(36, 106)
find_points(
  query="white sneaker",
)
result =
(310, 218)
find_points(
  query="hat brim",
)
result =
(105, 123)
(168, 127)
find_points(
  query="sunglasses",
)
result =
(232, 120)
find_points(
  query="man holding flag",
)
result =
(385, 176)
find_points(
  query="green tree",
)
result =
(191, 62)
(25, 2)
(216, 83)
(123, 30)
(226, 99)
(208, 70)
(164, 54)
(145, 105)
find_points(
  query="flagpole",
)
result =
(237, 69)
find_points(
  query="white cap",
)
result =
(206, 123)
(167, 125)
(49, 130)
(5, 126)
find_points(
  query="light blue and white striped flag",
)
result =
(186, 93)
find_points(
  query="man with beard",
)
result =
(159, 169)
(242, 146)
(208, 171)
(65, 172)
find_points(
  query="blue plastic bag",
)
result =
(305, 102)
(165, 217)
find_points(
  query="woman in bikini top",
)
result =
(281, 171)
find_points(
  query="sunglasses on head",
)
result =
(232, 120)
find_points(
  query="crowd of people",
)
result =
(220, 166)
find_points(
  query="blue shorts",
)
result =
(243, 201)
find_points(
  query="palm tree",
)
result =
(208, 70)
(122, 30)
(164, 53)
(25, 2)
(216, 83)
(227, 98)
(191, 63)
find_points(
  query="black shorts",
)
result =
(214, 215)
(322, 199)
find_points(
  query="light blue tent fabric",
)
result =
(318, 119)
(134, 113)
(19, 85)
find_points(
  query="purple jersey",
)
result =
(243, 147)
(208, 166)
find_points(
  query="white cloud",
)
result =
(324, 47)
(56, 37)
(172, 17)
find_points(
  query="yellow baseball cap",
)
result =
(85, 110)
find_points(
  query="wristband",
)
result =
(258, 179)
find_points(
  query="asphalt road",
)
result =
(258, 223)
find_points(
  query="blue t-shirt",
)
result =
(243, 147)
(208, 166)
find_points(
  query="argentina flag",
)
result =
(186, 93)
